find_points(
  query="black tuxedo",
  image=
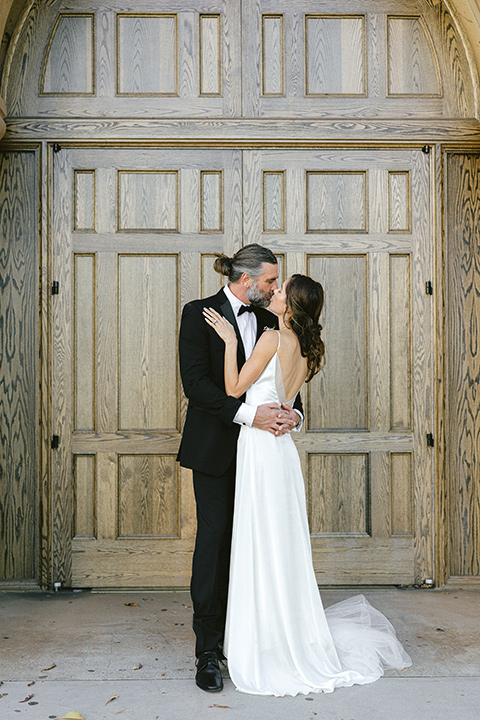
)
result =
(208, 446)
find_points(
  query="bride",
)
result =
(279, 640)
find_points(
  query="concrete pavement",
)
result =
(82, 648)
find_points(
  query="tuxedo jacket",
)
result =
(209, 440)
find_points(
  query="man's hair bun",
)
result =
(223, 264)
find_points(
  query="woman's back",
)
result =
(293, 365)
(283, 375)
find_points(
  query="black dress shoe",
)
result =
(208, 675)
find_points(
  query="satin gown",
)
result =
(279, 640)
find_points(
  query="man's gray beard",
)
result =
(257, 297)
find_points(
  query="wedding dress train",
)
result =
(279, 640)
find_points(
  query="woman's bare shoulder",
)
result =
(269, 337)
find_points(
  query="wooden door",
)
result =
(133, 235)
(359, 221)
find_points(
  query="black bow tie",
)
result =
(245, 308)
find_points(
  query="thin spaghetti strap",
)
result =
(278, 346)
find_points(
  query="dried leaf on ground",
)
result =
(137, 667)
(29, 697)
(72, 716)
(31, 683)
(220, 706)
(122, 711)
(50, 667)
(114, 697)
(131, 604)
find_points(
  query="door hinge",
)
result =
(56, 147)
(426, 149)
(430, 442)
(429, 288)
(55, 287)
(55, 442)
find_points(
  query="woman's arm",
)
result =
(237, 383)
(195, 366)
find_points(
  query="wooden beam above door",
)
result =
(251, 132)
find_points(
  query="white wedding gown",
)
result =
(279, 640)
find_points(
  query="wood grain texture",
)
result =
(85, 200)
(210, 54)
(338, 397)
(148, 201)
(358, 560)
(210, 281)
(148, 496)
(401, 493)
(463, 364)
(244, 133)
(84, 496)
(62, 339)
(178, 66)
(338, 494)
(103, 563)
(336, 62)
(69, 62)
(377, 330)
(211, 201)
(422, 363)
(85, 334)
(378, 352)
(334, 55)
(412, 64)
(127, 288)
(19, 371)
(336, 201)
(290, 68)
(399, 202)
(400, 342)
(273, 55)
(147, 342)
(289, 119)
(274, 197)
(147, 54)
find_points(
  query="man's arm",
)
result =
(298, 409)
(194, 367)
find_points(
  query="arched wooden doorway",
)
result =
(163, 134)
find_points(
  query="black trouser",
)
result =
(211, 558)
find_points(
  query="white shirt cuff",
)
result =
(246, 414)
(300, 422)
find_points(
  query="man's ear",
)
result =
(246, 280)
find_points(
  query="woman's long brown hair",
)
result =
(304, 299)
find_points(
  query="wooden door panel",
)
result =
(358, 221)
(337, 396)
(135, 241)
(147, 373)
(129, 258)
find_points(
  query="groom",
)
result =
(210, 434)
